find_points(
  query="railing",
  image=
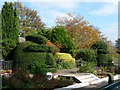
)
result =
(6, 65)
(78, 63)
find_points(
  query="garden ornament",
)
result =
(49, 75)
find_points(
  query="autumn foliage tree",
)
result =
(28, 19)
(83, 34)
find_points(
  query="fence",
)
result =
(6, 65)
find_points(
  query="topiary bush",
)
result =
(64, 57)
(64, 61)
(36, 38)
(103, 57)
(100, 45)
(25, 59)
(102, 51)
(88, 55)
(39, 69)
(50, 61)
(40, 48)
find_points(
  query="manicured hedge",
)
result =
(40, 48)
(39, 39)
(100, 45)
(25, 59)
(66, 60)
(88, 55)
(104, 59)
(102, 51)
(50, 60)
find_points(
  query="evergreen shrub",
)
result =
(10, 29)
(25, 59)
(102, 51)
(103, 57)
(65, 57)
(59, 34)
(100, 45)
(88, 55)
(40, 48)
(36, 38)
(65, 61)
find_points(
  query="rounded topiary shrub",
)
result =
(40, 48)
(36, 38)
(25, 59)
(103, 51)
(100, 45)
(102, 59)
(86, 55)
(64, 61)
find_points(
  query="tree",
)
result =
(28, 19)
(83, 34)
(10, 29)
(58, 35)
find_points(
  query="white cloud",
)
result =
(62, 0)
(60, 5)
(71, 0)
(49, 17)
(112, 32)
(107, 9)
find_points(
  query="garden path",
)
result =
(66, 71)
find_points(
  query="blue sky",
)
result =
(103, 15)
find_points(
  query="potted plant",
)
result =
(10, 71)
(3, 71)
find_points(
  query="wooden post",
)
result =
(110, 79)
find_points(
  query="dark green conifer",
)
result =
(10, 29)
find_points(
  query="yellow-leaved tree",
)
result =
(83, 34)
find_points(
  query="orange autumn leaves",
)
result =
(56, 46)
(83, 34)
